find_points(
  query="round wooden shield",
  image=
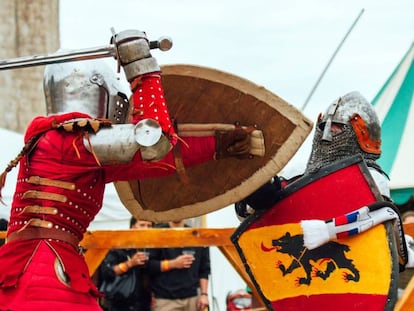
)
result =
(202, 95)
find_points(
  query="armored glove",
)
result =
(243, 210)
(133, 50)
(234, 143)
(134, 53)
(266, 196)
(263, 198)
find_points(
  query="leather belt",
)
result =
(33, 194)
(37, 180)
(37, 209)
(43, 233)
(178, 160)
(179, 164)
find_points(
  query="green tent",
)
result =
(394, 104)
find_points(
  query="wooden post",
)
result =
(97, 244)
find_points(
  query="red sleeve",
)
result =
(194, 150)
(149, 103)
(197, 150)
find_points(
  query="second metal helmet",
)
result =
(354, 110)
(88, 86)
(349, 126)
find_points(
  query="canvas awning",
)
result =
(395, 108)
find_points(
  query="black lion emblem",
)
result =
(332, 252)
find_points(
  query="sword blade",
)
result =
(59, 57)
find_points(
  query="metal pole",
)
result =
(330, 61)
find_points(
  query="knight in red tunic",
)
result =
(68, 158)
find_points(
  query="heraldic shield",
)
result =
(357, 272)
(200, 99)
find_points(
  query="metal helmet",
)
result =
(88, 86)
(360, 132)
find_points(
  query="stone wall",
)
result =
(27, 28)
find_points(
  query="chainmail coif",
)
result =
(342, 146)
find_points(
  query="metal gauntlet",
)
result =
(134, 53)
(119, 143)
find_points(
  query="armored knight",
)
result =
(349, 126)
(341, 204)
(90, 137)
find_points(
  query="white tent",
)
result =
(11, 143)
(394, 104)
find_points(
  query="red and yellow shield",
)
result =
(353, 273)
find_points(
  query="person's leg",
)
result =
(161, 304)
(190, 304)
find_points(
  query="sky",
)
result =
(282, 45)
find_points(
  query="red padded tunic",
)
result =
(28, 277)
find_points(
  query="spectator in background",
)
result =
(119, 261)
(408, 217)
(239, 300)
(3, 227)
(180, 276)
